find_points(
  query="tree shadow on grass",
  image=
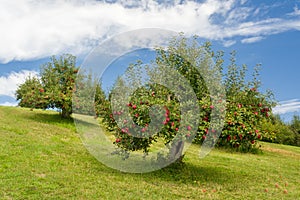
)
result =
(187, 173)
(53, 119)
(57, 120)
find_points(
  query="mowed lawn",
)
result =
(42, 157)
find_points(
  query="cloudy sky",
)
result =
(266, 32)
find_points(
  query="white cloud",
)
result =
(33, 29)
(296, 12)
(228, 43)
(9, 83)
(9, 103)
(252, 39)
(290, 106)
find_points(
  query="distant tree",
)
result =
(295, 126)
(30, 94)
(54, 87)
(58, 79)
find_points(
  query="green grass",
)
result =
(42, 157)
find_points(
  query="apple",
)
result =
(260, 105)
(228, 137)
(118, 140)
(259, 136)
(266, 190)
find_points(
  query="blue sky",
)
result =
(266, 32)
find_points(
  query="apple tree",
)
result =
(247, 108)
(55, 86)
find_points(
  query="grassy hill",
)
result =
(42, 157)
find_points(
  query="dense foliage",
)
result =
(282, 132)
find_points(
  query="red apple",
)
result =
(189, 128)
(259, 136)
(260, 105)
(266, 190)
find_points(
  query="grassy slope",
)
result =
(41, 157)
